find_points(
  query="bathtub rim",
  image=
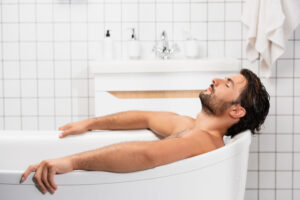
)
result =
(80, 177)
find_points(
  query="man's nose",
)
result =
(215, 81)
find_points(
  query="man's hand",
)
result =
(45, 171)
(75, 128)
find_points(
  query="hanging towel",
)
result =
(269, 24)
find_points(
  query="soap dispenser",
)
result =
(108, 46)
(133, 50)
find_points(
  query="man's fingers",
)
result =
(64, 127)
(30, 169)
(51, 174)
(66, 133)
(38, 178)
(45, 179)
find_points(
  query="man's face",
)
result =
(221, 94)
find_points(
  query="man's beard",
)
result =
(211, 105)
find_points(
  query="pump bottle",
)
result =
(134, 49)
(108, 47)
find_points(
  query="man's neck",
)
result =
(216, 126)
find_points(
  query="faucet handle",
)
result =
(162, 49)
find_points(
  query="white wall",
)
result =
(45, 81)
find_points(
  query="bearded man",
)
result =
(229, 106)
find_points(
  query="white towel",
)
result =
(269, 24)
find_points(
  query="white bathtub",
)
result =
(217, 175)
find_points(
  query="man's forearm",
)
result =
(134, 119)
(123, 157)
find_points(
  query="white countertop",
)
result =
(173, 65)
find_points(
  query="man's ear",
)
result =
(237, 111)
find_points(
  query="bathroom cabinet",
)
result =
(161, 85)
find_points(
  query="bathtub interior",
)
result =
(20, 149)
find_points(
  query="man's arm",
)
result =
(162, 123)
(123, 157)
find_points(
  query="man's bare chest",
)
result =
(180, 134)
(202, 137)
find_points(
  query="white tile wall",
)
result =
(29, 123)
(251, 194)
(233, 12)
(270, 124)
(284, 194)
(296, 179)
(267, 143)
(29, 107)
(284, 68)
(284, 180)
(11, 70)
(284, 161)
(288, 108)
(267, 179)
(267, 161)
(45, 80)
(253, 161)
(198, 12)
(46, 107)
(216, 31)
(296, 143)
(267, 194)
(284, 124)
(284, 143)
(252, 180)
(297, 161)
(216, 11)
(284, 87)
(12, 107)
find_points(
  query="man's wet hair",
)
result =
(256, 101)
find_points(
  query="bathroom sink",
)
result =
(141, 66)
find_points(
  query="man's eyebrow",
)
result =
(231, 81)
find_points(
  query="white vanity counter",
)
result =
(146, 66)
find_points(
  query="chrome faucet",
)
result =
(162, 49)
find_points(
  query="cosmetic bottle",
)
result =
(134, 49)
(191, 47)
(108, 47)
